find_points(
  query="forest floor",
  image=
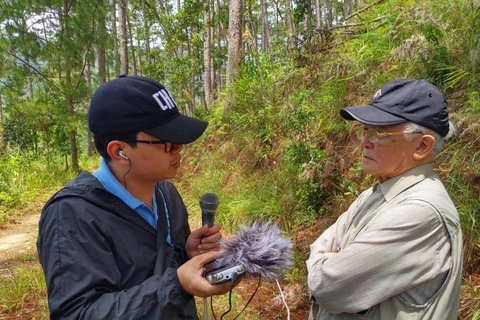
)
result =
(17, 239)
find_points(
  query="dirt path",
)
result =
(17, 238)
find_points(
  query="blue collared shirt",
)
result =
(106, 177)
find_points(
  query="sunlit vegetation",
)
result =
(279, 151)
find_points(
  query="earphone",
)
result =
(121, 155)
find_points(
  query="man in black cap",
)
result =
(396, 254)
(116, 244)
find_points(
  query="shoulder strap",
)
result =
(163, 222)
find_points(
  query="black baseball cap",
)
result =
(404, 100)
(134, 103)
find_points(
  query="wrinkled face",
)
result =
(391, 155)
(150, 162)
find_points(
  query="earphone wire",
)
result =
(129, 168)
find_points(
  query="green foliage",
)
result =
(252, 195)
(451, 76)
(310, 190)
(476, 315)
(472, 105)
(454, 60)
(39, 126)
(463, 186)
(11, 169)
(432, 34)
(47, 56)
(255, 109)
(20, 131)
(26, 180)
(304, 157)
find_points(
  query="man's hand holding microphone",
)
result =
(203, 247)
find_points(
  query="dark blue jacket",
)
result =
(103, 261)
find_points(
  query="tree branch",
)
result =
(89, 47)
(167, 35)
(36, 70)
(352, 24)
(363, 9)
(32, 35)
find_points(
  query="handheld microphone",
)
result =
(208, 203)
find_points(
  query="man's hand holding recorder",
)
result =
(203, 248)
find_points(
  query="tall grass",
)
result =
(26, 181)
(23, 293)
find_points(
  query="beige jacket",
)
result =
(391, 257)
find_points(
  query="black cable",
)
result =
(251, 298)
(230, 299)
(234, 278)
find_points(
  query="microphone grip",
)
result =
(208, 218)
(208, 204)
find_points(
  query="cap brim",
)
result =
(181, 130)
(370, 115)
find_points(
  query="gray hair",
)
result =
(439, 140)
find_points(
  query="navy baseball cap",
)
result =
(404, 100)
(133, 103)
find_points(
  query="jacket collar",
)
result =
(393, 186)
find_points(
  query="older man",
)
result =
(397, 252)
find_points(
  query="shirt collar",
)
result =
(393, 186)
(106, 177)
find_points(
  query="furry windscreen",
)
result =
(260, 248)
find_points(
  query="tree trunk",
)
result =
(235, 39)
(266, 46)
(30, 83)
(289, 26)
(161, 5)
(180, 47)
(100, 59)
(253, 27)
(347, 7)
(219, 46)
(73, 134)
(329, 8)
(147, 33)
(139, 58)
(1, 108)
(116, 57)
(88, 81)
(318, 15)
(207, 54)
(192, 105)
(307, 22)
(68, 92)
(123, 37)
(87, 73)
(132, 47)
(235, 24)
(189, 92)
